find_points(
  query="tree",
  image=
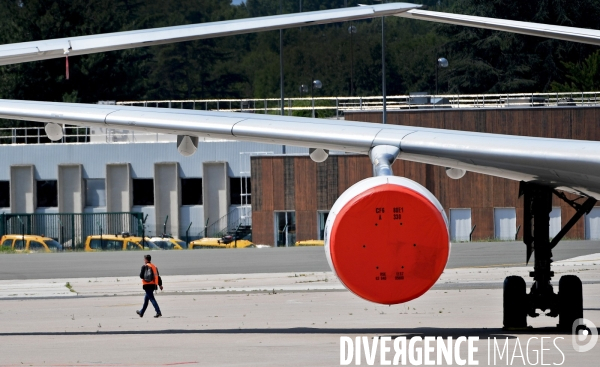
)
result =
(489, 61)
(582, 77)
(110, 75)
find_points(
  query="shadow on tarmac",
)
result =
(393, 332)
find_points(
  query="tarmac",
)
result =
(248, 261)
(269, 319)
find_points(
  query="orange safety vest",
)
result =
(155, 270)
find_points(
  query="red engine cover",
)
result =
(389, 244)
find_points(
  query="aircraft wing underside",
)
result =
(571, 165)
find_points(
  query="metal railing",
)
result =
(37, 135)
(321, 107)
(71, 229)
(337, 106)
(231, 220)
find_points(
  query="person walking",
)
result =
(150, 280)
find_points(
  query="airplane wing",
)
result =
(570, 165)
(73, 46)
(581, 35)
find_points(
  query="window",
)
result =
(505, 223)
(95, 192)
(165, 245)
(98, 244)
(133, 246)
(460, 225)
(53, 245)
(36, 246)
(147, 245)
(191, 191)
(7, 242)
(4, 194)
(285, 229)
(240, 190)
(143, 191)
(47, 194)
(19, 245)
(321, 220)
(112, 245)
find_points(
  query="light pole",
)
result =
(283, 150)
(383, 83)
(318, 85)
(442, 62)
(281, 62)
(352, 30)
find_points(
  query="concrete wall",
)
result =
(191, 214)
(215, 191)
(167, 196)
(141, 157)
(71, 196)
(22, 189)
(119, 196)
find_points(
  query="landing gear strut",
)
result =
(567, 304)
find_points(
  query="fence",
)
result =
(71, 230)
(322, 107)
(330, 107)
(37, 135)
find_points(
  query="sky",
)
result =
(237, 2)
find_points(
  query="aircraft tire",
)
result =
(515, 302)
(570, 301)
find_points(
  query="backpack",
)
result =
(149, 274)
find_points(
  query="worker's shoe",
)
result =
(139, 313)
(158, 315)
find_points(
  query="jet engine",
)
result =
(386, 239)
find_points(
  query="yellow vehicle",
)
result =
(121, 242)
(224, 242)
(168, 243)
(311, 243)
(30, 243)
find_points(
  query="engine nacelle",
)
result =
(187, 145)
(54, 131)
(386, 238)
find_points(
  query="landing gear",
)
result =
(568, 303)
(515, 296)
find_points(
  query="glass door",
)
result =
(285, 229)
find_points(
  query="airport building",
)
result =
(209, 191)
(279, 191)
